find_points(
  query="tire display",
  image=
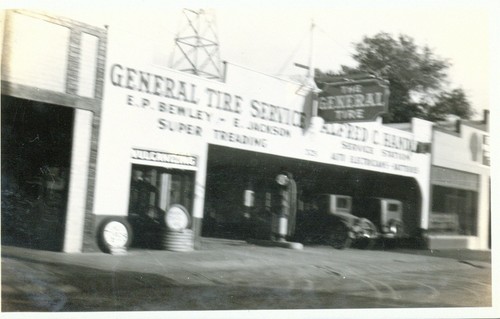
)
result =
(114, 235)
(178, 240)
(177, 218)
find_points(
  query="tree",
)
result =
(417, 78)
(454, 102)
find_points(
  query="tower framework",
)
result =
(197, 46)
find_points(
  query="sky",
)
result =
(270, 36)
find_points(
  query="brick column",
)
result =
(73, 61)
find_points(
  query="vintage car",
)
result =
(330, 221)
(385, 213)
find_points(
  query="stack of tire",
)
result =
(178, 236)
(178, 240)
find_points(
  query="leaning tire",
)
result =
(177, 218)
(339, 237)
(114, 233)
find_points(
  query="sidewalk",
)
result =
(458, 254)
(231, 274)
(236, 255)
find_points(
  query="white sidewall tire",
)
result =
(186, 212)
(103, 245)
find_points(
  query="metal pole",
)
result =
(314, 108)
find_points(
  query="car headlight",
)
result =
(365, 228)
(395, 227)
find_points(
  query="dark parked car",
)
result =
(331, 221)
(148, 226)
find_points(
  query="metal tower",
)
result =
(198, 45)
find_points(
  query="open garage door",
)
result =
(231, 173)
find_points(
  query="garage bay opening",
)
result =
(242, 195)
(36, 155)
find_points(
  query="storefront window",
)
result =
(459, 206)
(153, 190)
(159, 187)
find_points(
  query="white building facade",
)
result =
(460, 213)
(144, 137)
(194, 139)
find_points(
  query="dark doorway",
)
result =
(231, 171)
(36, 156)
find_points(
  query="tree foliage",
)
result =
(417, 78)
(453, 102)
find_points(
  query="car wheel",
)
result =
(389, 243)
(366, 243)
(339, 237)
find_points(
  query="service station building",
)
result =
(122, 134)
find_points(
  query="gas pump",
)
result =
(248, 201)
(283, 219)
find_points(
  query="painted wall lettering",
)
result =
(162, 157)
(224, 101)
(239, 138)
(278, 114)
(141, 81)
(176, 127)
